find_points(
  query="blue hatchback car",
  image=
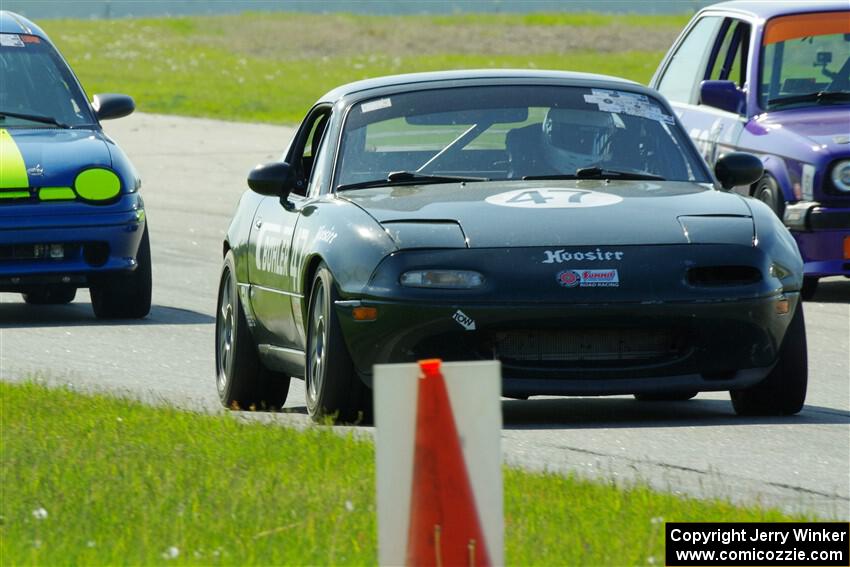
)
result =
(70, 212)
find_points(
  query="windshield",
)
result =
(513, 132)
(37, 86)
(806, 56)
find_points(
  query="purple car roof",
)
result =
(767, 10)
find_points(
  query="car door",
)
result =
(715, 48)
(273, 238)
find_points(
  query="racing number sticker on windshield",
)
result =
(545, 198)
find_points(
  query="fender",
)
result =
(774, 238)
(347, 239)
(778, 169)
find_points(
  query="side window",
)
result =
(686, 68)
(305, 147)
(320, 155)
(730, 63)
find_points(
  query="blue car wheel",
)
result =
(125, 296)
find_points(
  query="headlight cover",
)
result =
(442, 279)
(841, 175)
(97, 184)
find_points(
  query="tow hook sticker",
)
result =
(588, 278)
(464, 320)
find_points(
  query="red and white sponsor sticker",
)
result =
(588, 278)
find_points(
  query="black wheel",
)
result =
(783, 391)
(125, 295)
(810, 287)
(332, 389)
(50, 295)
(242, 380)
(768, 191)
(665, 397)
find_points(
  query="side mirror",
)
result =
(107, 106)
(738, 168)
(272, 179)
(724, 95)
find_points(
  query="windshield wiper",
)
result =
(598, 173)
(33, 118)
(552, 176)
(409, 178)
(595, 172)
(811, 97)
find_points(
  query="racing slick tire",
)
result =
(783, 391)
(332, 389)
(125, 295)
(767, 191)
(666, 397)
(810, 287)
(242, 380)
(50, 295)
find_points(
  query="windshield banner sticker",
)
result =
(375, 105)
(10, 40)
(627, 103)
(588, 278)
(544, 198)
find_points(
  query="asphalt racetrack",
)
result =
(193, 174)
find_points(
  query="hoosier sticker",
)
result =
(588, 278)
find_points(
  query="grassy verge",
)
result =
(92, 480)
(271, 67)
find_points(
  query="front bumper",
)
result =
(94, 240)
(656, 331)
(648, 348)
(823, 236)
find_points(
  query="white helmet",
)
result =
(576, 138)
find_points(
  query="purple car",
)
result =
(773, 79)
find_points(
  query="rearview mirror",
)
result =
(271, 179)
(107, 105)
(724, 95)
(738, 168)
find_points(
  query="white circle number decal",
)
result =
(544, 198)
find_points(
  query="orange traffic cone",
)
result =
(444, 526)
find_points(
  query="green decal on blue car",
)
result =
(97, 184)
(13, 171)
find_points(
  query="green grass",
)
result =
(272, 67)
(573, 19)
(122, 483)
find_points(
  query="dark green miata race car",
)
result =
(561, 223)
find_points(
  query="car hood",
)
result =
(584, 212)
(824, 126)
(53, 157)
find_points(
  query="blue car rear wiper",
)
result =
(820, 96)
(409, 178)
(33, 118)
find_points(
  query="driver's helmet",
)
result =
(576, 138)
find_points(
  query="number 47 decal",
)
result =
(553, 198)
(538, 198)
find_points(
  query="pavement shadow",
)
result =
(833, 291)
(608, 413)
(20, 315)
